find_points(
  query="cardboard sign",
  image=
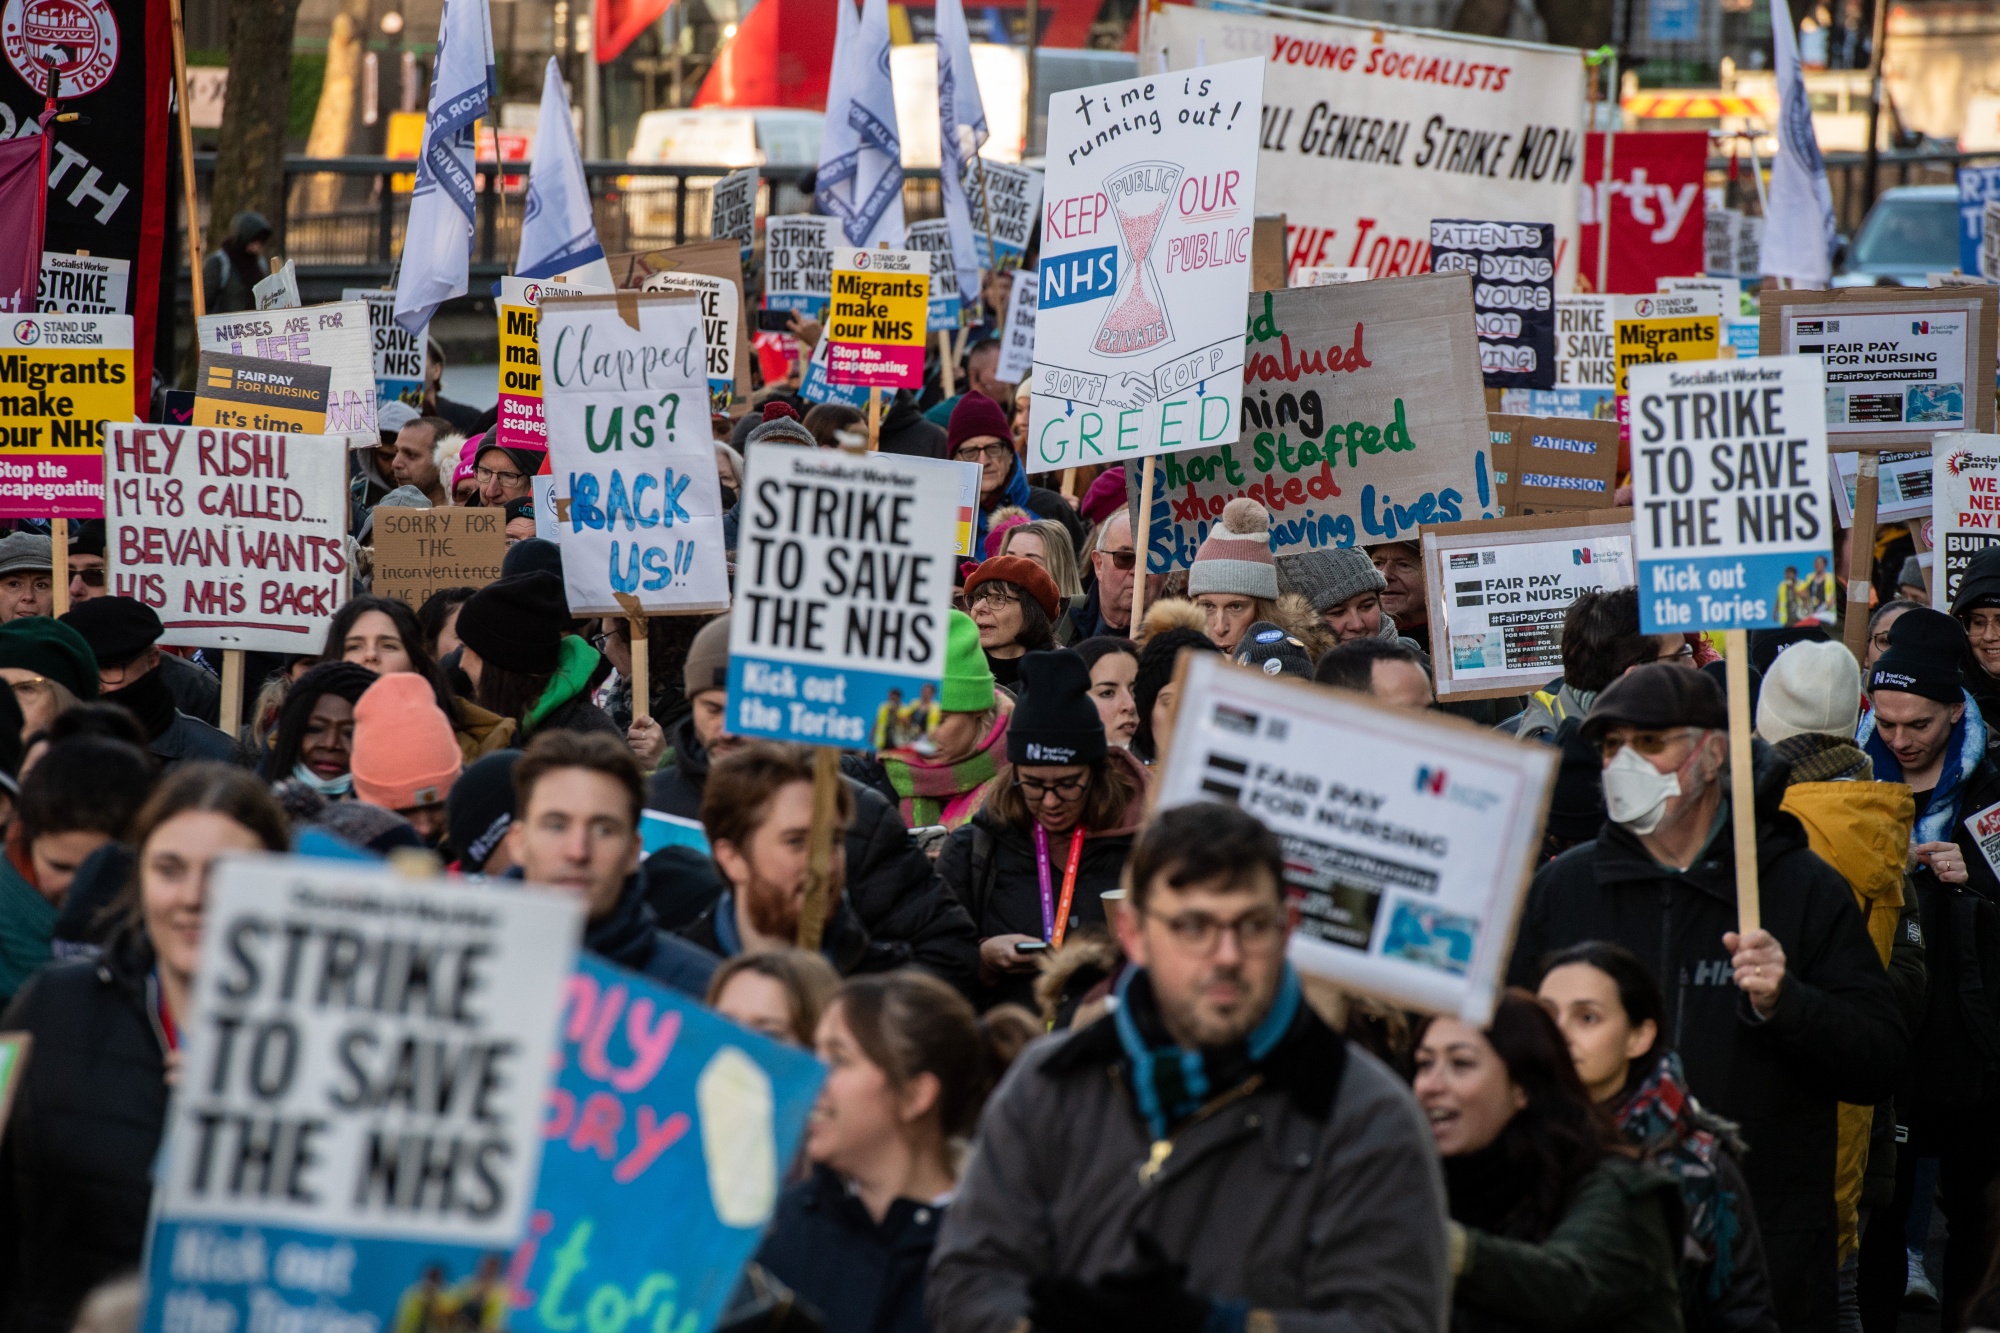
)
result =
(668, 1135)
(399, 354)
(798, 262)
(1513, 271)
(250, 393)
(933, 237)
(1363, 418)
(1005, 202)
(1547, 465)
(63, 378)
(1656, 205)
(336, 336)
(877, 319)
(720, 305)
(236, 538)
(843, 592)
(1903, 485)
(419, 551)
(1729, 495)
(521, 424)
(1017, 335)
(732, 209)
(84, 284)
(1409, 838)
(1145, 260)
(365, 1089)
(1965, 506)
(280, 289)
(1902, 363)
(625, 392)
(1501, 589)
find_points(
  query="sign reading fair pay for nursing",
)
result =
(1730, 516)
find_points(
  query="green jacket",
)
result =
(1609, 1266)
(27, 924)
(565, 703)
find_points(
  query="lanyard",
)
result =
(1055, 917)
(170, 1033)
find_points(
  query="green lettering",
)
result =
(1088, 429)
(1260, 451)
(570, 1260)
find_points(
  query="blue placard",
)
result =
(1975, 186)
(788, 701)
(1673, 20)
(657, 830)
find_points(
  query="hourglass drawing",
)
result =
(1139, 195)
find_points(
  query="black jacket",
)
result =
(1955, 1051)
(632, 938)
(1836, 1034)
(860, 1275)
(195, 691)
(904, 430)
(76, 1163)
(1089, 618)
(189, 740)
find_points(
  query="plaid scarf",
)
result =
(1660, 1117)
(1817, 757)
(949, 794)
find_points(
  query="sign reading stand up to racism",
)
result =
(521, 425)
(63, 378)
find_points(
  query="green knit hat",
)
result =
(968, 681)
(50, 649)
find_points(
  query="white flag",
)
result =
(437, 241)
(558, 234)
(1799, 230)
(961, 130)
(861, 154)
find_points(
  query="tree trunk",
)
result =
(339, 102)
(1584, 23)
(1487, 18)
(250, 147)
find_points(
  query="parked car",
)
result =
(1912, 231)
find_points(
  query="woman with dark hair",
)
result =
(1554, 1226)
(438, 619)
(1015, 604)
(1051, 834)
(384, 635)
(1610, 1012)
(76, 1165)
(1153, 683)
(1114, 666)
(523, 663)
(827, 420)
(313, 742)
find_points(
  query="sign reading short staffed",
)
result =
(1730, 522)
(1145, 264)
(63, 378)
(419, 551)
(1408, 841)
(520, 425)
(876, 322)
(1965, 500)
(336, 336)
(843, 591)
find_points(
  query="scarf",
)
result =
(625, 936)
(1013, 491)
(1817, 757)
(928, 792)
(149, 700)
(1962, 753)
(1170, 1083)
(1659, 1117)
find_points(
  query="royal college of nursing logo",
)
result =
(81, 36)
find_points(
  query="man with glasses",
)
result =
(1114, 563)
(1775, 1026)
(504, 475)
(1210, 1155)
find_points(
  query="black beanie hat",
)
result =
(1268, 648)
(117, 629)
(1925, 650)
(1979, 585)
(525, 557)
(515, 623)
(1056, 721)
(1156, 672)
(480, 809)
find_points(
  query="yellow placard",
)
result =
(879, 318)
(1642, 342)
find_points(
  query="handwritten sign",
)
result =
(63, 378)
(419, 551)
(1513, 270)
(336, 336)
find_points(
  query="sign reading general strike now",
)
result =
(876, 323)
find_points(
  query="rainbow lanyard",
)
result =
(1055, 918)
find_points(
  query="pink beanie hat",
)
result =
(405, 753)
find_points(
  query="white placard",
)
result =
(1966, 506)
(1017, 336)
(1904, 484)
(798, 262)
(732, 211)
(933, 237)
(280, 290)
(1586, 343)
(1888, 370)
(1005, 201)
(336, 336)
(399, 354)
(1989, 242)
(1329, 275)
(83, 284)
(1408, 838)
(719, 304)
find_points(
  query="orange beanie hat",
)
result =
(405, 754)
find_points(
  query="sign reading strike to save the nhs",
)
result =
(1146, 223)
(1729, 490)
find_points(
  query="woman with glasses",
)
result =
(1015, 605)
(1052, 833)
(980, 433)
(1046, 542)
(48, 666)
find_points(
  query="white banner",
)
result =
(399, 354)
(336, 336)
(798, 262)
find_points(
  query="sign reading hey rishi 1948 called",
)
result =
(63, 378)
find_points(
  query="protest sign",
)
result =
(1369, 131)
(1326, 275)
(1976, 186)
(252, 393)
(83, 284)
(1718, 239)
(1966, 506)
(1146, 251)
(625, 395)
(732, 210)
(418, 551)
(645, 271)
(1408, 837)
(1729, 495)
(1665, 326)
(1547, 464)
(1989, 243)
(399, 354)
(1017, 335)
(933, 237)
(521, 424)
(1363, 418)
(1656, 205)
(365, 1081)
(1727, 293)
(335, 336)
(843, 591)
(1005, 202)
(1903, 485)
(798, 262)
(876, 321)
(1902, 363)
(720, 305)
(63, 378)
(237, 538)
(668, 1135)
(1512, 266)
(1500, 589)
(816, 388)
(280, 289)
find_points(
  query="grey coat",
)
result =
(1312, 1192)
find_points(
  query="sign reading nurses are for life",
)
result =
(1730, 506)
(876, 322)
(1145, 264)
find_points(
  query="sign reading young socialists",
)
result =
(843, 591)
(798, 262)
(1513, 271)
(1408, 841)
(63, 378)
(335, 336)
(521, 425)
(876, 322)
(1729, 491)
(368, 1068)
(1145, 264)
(1965, 499)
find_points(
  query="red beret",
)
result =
(1020, 571)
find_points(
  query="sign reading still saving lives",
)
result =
(1408, 838)
(63, 378)
(1965, 506)
(364, 1088)
(1731, 525)
(843, 591)
(1145, 264)
(876, 322)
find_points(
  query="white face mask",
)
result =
(1636, 793)
(335, 787)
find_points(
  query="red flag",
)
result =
(24, 176)
(1656, 208)
(619, 21)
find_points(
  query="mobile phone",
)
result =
(1030, 946)
(775, 321)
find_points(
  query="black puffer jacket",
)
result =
(76, 1163)
(905, 431)
(1955, 1052)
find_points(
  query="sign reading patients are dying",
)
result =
(1145, 267)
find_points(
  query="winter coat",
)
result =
(631, 937)
(76, 1164)
(195, 691)
(565, 703)
(1311, 1192)
(189, 740)
(481, 731)
(1549, 708)
(904, 431)
(860, 1275)
(1089, 618)
(230, 274)
(1980, 584)
(1835, 1034)
(27, 926)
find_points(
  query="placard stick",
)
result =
(945, 366)
(1742, 786)
(59, 575)
(231, 716)
(1069, 481)
(819, 845)
(1861, 552)
(642, 669)
(874, 420)
(187, 158)
(1140, 541)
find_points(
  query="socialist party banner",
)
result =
(1656, 205)
(1965, 506)
(798, 262)
(356, 1138)
(521, 425)
(399, 354)
(1363, 417)
(63, 378)
(1005, 201)
(1512, 265)
(337, 336)
(108, 188)
(1145, 264)
(1369, 131)
(933, 237)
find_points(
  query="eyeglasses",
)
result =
(997, 593)
(1686, 654)
(488, 476)
(1648, 743)
(1066, 789)
(1122, 560)
(92, 578)
(972, 453)
(1199, 932)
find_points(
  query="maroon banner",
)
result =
(23, 203)
(1656, 208)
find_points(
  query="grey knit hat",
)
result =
(781, 425)
(26, 552)
(1329, 576)
(1236, 554)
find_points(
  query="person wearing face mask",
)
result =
(313, 742)
(1776, 1027)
